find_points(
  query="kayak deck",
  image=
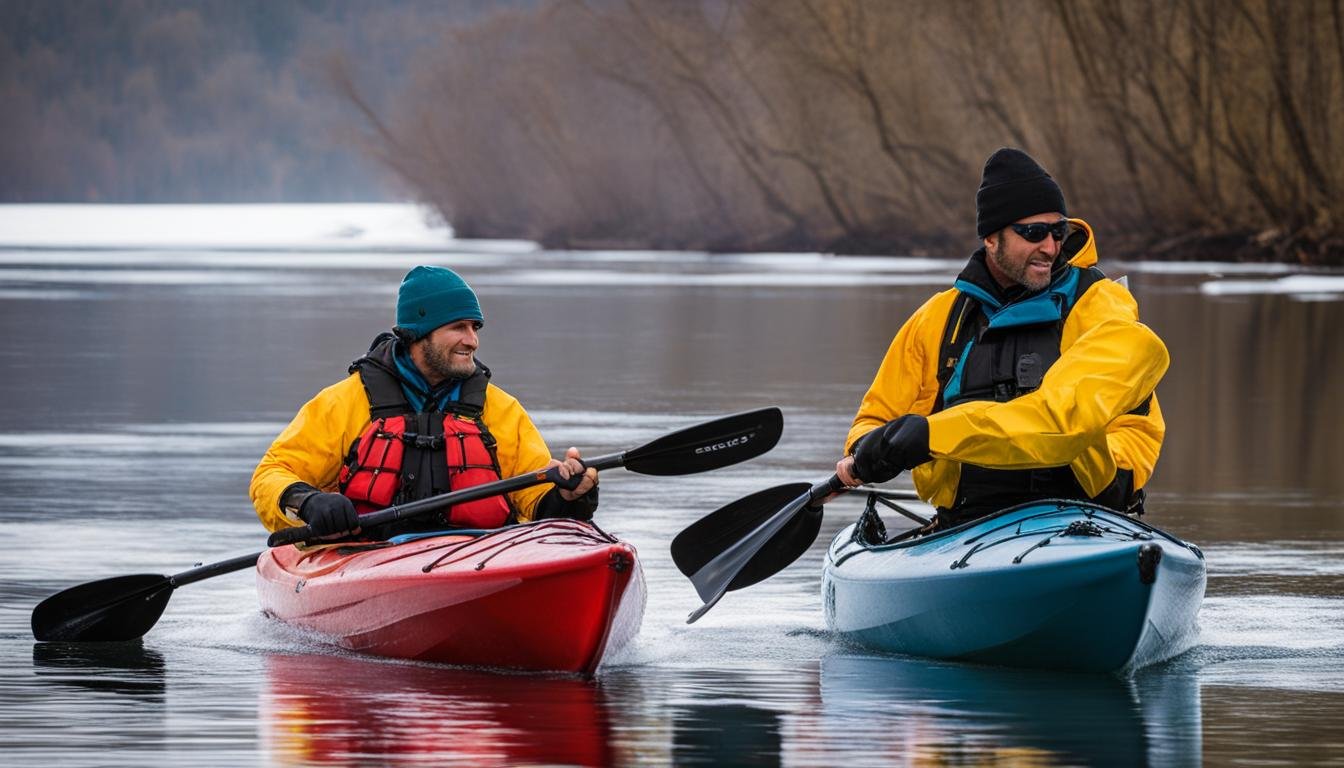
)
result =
(1055, 584)
(553, 595)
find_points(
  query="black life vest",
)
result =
(1001, 351)
(405, 455)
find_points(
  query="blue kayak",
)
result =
(1052, 584)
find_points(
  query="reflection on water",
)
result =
(338, 711)
(129, 669)
(947, 713)
(726, 734)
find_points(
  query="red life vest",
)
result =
(405, 455)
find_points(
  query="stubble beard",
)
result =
(1016, 272)
(443, 363)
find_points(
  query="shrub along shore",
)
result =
(1179, 130)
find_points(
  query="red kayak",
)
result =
(553, 595)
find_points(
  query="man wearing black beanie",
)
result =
(1030, 378)
(1016, 189)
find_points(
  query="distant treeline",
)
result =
(200, 101)
(1181, 128)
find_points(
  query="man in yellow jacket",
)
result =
(416, 417)
(1030, 378)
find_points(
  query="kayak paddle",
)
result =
(755, 537)
(126, 607)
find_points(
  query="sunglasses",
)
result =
(1035, 233)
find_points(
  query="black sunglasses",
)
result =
(1035, 233)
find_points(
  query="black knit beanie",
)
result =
(1013, 187)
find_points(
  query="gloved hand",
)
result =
(329, 514)
(892, 448)
(554, 504)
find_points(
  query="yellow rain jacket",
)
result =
(1080, 416)
(313, 446)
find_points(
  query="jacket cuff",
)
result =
(552, 505)
(292, 498)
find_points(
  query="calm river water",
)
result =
(140, 389)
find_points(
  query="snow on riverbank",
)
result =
(327, 227)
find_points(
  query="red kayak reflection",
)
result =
(331, 710)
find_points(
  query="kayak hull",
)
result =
(1103, 593)
(555, 595)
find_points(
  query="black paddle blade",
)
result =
(786, 545)
(116, 609)
(713, 534)
(715, 444)
(795, 538)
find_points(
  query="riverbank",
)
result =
(408, 227)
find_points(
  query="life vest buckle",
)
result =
(424, 442)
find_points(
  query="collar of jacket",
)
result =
(976, 280)
(417, 389)
(1015, 306)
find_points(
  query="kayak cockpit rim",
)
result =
(1061, 507)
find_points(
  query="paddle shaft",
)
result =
(699, 448)
(199, 573)
(213, 569)
(765, 531)
(436, 503)
(509, 485)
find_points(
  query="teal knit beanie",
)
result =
(433, 296)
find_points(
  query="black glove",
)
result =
(329, 514)
(569, 483)
(892, 448)
(554, 505)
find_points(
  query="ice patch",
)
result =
(828, 263)
(1211, 268)
(801, 261)
(1304, 287)
(801, 279)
